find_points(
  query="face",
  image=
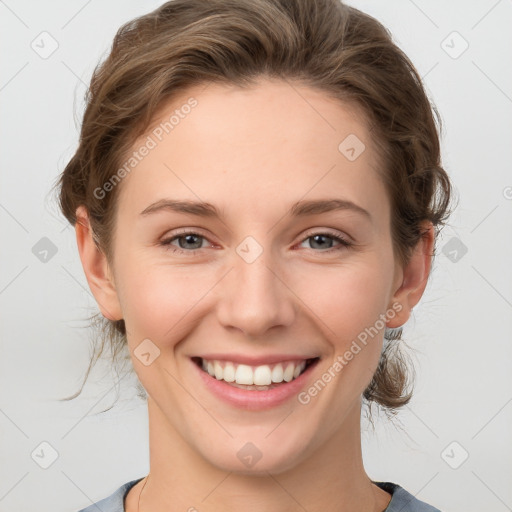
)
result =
(253, 240)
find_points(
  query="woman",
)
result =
(256, 196)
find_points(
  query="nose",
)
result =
(256, 297)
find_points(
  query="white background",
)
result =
(461, 330)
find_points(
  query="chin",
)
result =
(256, 458)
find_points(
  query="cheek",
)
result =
(347, 299)
(347, 302)
(160, 301)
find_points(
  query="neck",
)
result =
(332, 478)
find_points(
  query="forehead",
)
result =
(270, 112)
(264, 142)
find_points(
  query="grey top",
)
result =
(401, 500)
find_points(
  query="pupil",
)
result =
(319, 237)
(190, 239)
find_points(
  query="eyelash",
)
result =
(166, 243)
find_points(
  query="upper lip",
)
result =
(255, 360)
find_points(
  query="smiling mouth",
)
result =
(257, 378)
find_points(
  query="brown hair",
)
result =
(323, 44)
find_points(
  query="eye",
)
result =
(321, 241)
(188, 242)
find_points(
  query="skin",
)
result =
(252, 153)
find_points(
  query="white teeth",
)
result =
(288, 373)
(263, 375)
(218, 370)
(229, 372)
(277, 373)
(298, 369)
(244, 375)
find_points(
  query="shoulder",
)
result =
(404, 501)
(114, 502)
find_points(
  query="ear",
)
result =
(412, 279)
(96, 268)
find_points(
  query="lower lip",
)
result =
(254, 400)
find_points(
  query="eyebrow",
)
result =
(299, 209)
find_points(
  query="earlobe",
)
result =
(96, 268)
(414, 277)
